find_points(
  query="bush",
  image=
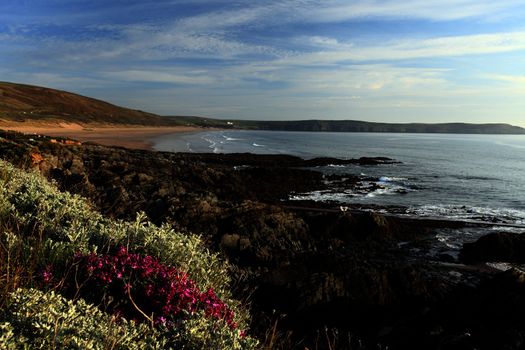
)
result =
(38, 320)
(71, 225)
(142, 288)
(42, 227)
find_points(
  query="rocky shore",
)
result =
(314, 275)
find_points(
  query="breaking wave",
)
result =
(366, 188)
(485, 214)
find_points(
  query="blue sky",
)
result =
(376, 60)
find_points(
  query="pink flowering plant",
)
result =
(141, 288)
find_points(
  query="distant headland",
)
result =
(355, 126)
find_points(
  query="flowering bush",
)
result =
(68, 224)
(141, 287)
(41, 228)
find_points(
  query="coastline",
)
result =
(318, 267)
(128, 136)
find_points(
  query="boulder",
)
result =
(500, 247)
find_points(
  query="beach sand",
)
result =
(135, 137)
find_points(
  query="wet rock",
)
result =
(444, 257)
(324, 161)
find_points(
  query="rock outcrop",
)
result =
(495, 247)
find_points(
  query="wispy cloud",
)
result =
(156, 76)
(314, 58)
(441, 10)
(449, 46)
(514, 79)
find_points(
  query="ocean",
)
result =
(450, 176)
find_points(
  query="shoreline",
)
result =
(367, 275)
(128, 136)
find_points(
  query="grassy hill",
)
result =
(33, 103)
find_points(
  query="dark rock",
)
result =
(444, 257)
(502, 247)
(230, 242)
(324, 161)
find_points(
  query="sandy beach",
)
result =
(135, 137)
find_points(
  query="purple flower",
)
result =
(132, 281)
(47, 274)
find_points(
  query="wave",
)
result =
(227, 138)
(188, 147)
(391, 179)
(366, 188)
(334, 166)
(494, 215)
(390, 185)
(388, 191)
(210, 141)
(212, 145)
(257, 145)
(322, 196)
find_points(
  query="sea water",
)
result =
(466, 177)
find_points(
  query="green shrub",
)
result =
(70, 224)
(41, 226)
(38, 320)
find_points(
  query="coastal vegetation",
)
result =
(72, 278)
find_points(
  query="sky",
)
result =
(375, 60)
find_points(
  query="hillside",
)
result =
(20, 102)
(355, 126)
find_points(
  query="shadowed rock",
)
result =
(504, 247)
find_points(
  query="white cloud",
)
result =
(336, 52)
(515, 84)
(309, 74)
(436, 10)
(161, 77)
(332, 11)
(213, 34)
(54, 80)
(225, 19)
(514, 79)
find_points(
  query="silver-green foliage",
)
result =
(67, 224)
(201, 333)
(70, 224)
(37, 320)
